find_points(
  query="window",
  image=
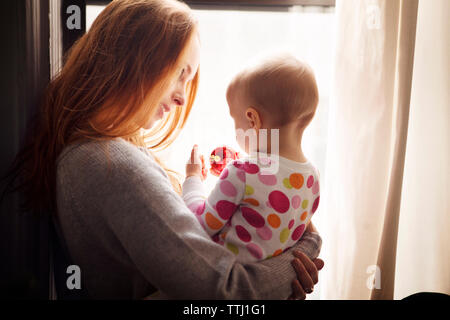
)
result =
(233, 36)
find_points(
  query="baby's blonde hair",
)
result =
(281, 87)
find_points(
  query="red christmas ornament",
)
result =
(220, 157)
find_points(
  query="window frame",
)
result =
(69, 37)
(272, 3)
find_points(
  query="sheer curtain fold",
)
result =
(423, 254)
(368, 136)
(407, 19)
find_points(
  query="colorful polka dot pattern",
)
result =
(268, 180)
(201, 208)
(296, 200)
(284, 235)
(251, 201)
(274, 221)
(298, 232)
(243, 234)
(250, 168)
(305, 204)
(225, 209)
(267, 223)
(224, 174)
(286, 183)
(279, 201)
(213, 222)
(303, 216)
(265, 233)
(228, 188)
(255, 250)
(197, 207)
(249, 190)
(315, 187)
(315, 204)
(241, 175)
(277, 252)
(310, 181)
(232, 248)
(254, 218)
(291, 224)
(296, 180)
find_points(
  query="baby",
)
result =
(254, 212)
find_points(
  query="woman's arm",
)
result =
(165, 242)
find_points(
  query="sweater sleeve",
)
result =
(217, 209)
(163, 240)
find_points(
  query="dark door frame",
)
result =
(24, 238)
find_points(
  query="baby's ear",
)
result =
(254, 118)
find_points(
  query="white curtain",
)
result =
(386, 192)
(423, 254)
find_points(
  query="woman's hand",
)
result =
(307, 275)
(196, 165)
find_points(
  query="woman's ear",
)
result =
(254, 118)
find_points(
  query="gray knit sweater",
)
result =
(130, 233)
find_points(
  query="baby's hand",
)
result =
(196, 165)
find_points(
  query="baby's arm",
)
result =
(310, 227)
(215, 211)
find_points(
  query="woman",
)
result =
(118, 209)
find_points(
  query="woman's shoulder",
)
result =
(100, 151)
(112, 173)
(94, 158)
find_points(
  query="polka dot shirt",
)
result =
(259, 207)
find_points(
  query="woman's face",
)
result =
(176, 95)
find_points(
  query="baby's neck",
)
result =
(294, 153)
(290, 144)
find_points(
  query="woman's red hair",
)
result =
(110, 86)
